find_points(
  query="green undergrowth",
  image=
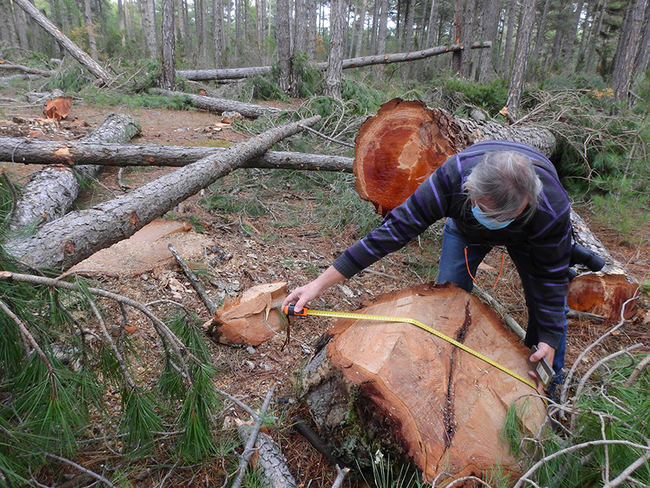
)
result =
(607, 435)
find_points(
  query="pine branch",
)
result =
(248, 449)
(341, 473)
(98, 477)
(196, 283)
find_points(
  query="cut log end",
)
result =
(398, 148)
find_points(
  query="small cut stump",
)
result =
(252, 318)
(419, 396)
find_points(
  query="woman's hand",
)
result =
(302, 295)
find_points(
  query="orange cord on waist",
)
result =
(503, 255)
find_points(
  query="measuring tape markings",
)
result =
(386, 318)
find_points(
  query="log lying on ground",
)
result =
(68, 240)
(221, 104)
(51, 192)
(236, 73)
(6, 67)
(406, 141)
(83, 58)
(30, 151)
(418, 395)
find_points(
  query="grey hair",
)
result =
(505, 178)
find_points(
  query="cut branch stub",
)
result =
(398, 149)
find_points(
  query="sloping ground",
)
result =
(290, 242)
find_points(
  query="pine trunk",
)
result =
(30, 151)
(168, 80)
(335, 60)
(21, 25)
(456, 57)
(149, 28)
(467, 37)
(217, 32)
(83, 58)
(486, 70)
(595, 36)
(88, 19)
(362, 19)
(72, 238)
(382, 29)
(643, 55)
(520, 61)
(283, 44)
(627, 50)
(509, 34)
(51, 192)
(541, 30)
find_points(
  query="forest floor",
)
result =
(290, 240)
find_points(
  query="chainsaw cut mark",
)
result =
(448, 413)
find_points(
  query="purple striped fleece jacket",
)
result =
(546, 236)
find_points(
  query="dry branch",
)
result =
(196, 283)
(26, 69)
(235, 73)
(221, 104)
(72, 238)
(30, 151)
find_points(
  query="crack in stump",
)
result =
(448, 413)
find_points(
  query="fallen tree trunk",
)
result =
(75, 236)
(419, 396)
(221, 104)
(83, 58)
(30, 151)
(235, 73)
(399, 147)
(4, 67)
(51, 192)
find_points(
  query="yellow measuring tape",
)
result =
(289, 310)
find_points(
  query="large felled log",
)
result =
(51, 192)
(406, 141)
(30, 151)
(83, 58)
(398, 148)
(6, 67)
(235, 73)
(221, 104)
(68, 240)
(418, 395)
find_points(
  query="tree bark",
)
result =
(82, 57)
(300, 27)
(21, 25)
(337, 43)
(168, 45)
(456, 57)
(382, 27)
(643, 55)
(491, 24)
(362, 18)
(88, 19)
(283, 44)
(51, 192)
(221, 104)
(595, 35)
(521, 56)
(72, 238)
(541, 30)
(149, 28)
(31, 151)
(26, 69)
(7, 30)
(510, 29)
(467, 35)
(217, 32)
(627, 50)
(237, 73)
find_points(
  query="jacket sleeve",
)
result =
(426, 205)
(550, 254)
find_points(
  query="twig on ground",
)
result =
(569, 376)
(320, 134)
(196, 283)
(625, 474)
(27, 336)
(239, 403)
(637, 370)
(248, 449)
(98, 477)
(501, 310)
(467, 478)
(570, 449)
(340, 476)
(123, 186)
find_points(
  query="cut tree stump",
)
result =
(66, 241)
(252, 318)
(52, 191)
(417, 395)
(399, 147)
